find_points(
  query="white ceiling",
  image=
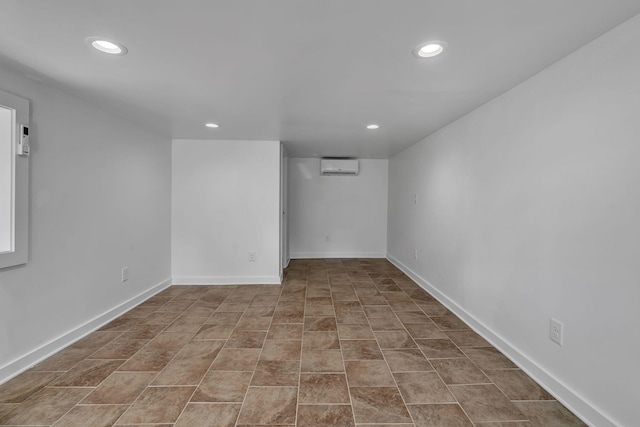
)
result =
(311, 73)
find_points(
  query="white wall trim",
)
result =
(307, 255)
(34, 357)
(235, 280)
(565, 395)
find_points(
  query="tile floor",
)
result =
(341, 343)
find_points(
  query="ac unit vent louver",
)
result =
(339, 167)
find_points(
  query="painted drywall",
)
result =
(337, 216)
(99, 201)
(225, 204)
(284, 208)
(528, 209)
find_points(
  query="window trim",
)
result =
(20, 253)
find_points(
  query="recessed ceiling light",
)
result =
(212, 125)
(429, 49)
(373, 126)
(107, 46)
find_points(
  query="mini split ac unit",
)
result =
(339, 167)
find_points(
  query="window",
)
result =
(14, 184)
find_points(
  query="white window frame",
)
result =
(19, 199)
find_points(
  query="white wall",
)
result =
(225, 203)
(284, 208)
(348, 211)
(528, 208)
(99, 201)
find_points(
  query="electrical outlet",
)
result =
(327, 238)
(415, 253)
(556, 330)
(415, 199)
(125, 274)
(252, 256)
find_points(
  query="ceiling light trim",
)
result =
(429, 49)
(106, 45)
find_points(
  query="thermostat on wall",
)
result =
(23, 141)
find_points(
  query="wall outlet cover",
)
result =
(556, 330)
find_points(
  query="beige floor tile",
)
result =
(394, 340)
(6, 408)
(319, 310)
(325, 415)
(148, 359)
(87, 373)
(322, 361)
(489, 358)
(378, 405)
(222, 318)
(285, 331)
(64, 359)
(281, 350)
(320, 323)
(377, 311)
(215, 331)
(269, 405)
(467, 339)
(92, 415)
(236, 359)
(323, 388)
(25, 385)
(186, 324)
(276, 373)
(413, 318)
(173, 341)
(121, 348)
(439, 349)
(368, 373)
(288, 316)
(506, 424)
(252, 322)
(158, 405)
(209, 415)
(422, 387)
(439, 415)
(314, 340)
(361, 350)
(449, 322)
(142, 332)
(485, 402)
(223, 386)
(425, 331)
(190, 364)
(355, 332)
(517, 385)
(459, 371)
(385, 324)
(548, 414)
(246, 339)
(97, 339)
(406, 360)
(46, 406)
(120, 388)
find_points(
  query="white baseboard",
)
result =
(308, 255)
(564, 394)
(236, 280)
(34, 357)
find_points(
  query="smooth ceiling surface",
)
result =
(312, 74)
